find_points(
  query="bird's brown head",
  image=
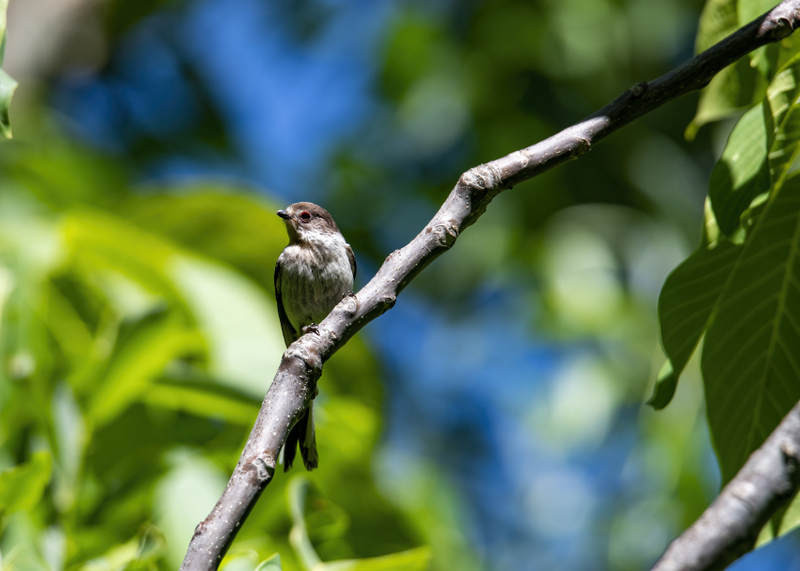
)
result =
(304, 219)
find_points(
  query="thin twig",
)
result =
(729, 528)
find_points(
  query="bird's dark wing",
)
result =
(302, 433)
(289, 334)
(352, 259)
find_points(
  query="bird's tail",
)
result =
(302, 435)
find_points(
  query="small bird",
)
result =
(313, 273)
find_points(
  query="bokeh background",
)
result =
(496, 415)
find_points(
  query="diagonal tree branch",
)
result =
(729, 528)
(301, 365)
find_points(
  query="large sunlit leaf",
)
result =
(748, 297)
(750, 362)
(742, 171)
(21, 487)
(759, 151)
(684, 307)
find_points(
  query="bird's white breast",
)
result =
(315, 275)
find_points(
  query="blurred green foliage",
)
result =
(138, 338)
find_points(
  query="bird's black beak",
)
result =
(283, 214)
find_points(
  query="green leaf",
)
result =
(237, 319)
(741, 175)
(22, 487)
(143, 350)
(204, 398)
(244, 560)
(717, 21)
(184, 496)
(138, 553)
(103, 246)
(411, 560)
(3, 25)
(759, 151)
(684, 307)
(271, 564)
(137, 269)
(352, 429)
(734, 88)
(747, 11)
(246, 231)
(7, 84)
(741, 84)
(750, 359)
(742, 171)
(298, 491)
(783, 119)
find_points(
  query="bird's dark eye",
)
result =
(305, 216)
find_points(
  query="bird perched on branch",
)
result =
(314, 272)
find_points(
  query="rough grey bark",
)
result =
(302, 363)
(729, 528)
